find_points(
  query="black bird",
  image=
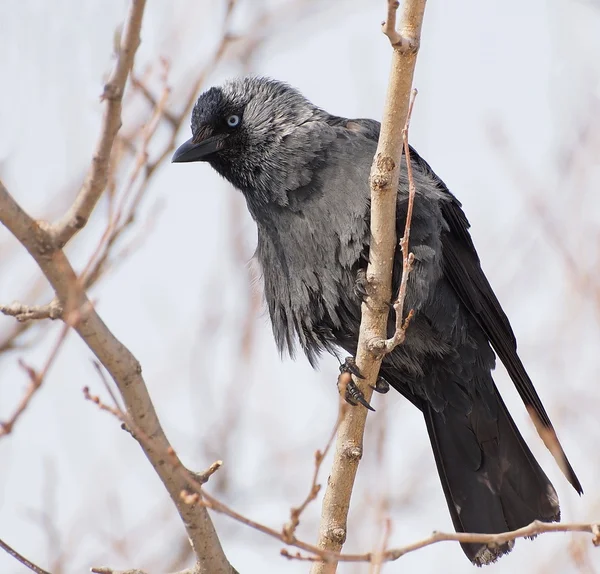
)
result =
(305, 176)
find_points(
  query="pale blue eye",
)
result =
(233, 121)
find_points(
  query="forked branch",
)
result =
(384, 187)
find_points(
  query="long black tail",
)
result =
(490, 478)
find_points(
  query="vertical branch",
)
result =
(384, 186)
(97, 177)
(125, 371)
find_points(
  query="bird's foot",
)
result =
(363, 290)
(361, 285)
(381, 386)
(352, 394)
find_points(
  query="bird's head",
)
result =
(258, 134)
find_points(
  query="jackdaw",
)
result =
(305, 177)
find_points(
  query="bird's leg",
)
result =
(352, 394)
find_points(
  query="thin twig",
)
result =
(197, 478)
(122, 218)
(44, 244)
(139, 84)
(21, 312)
(533, 529)
(245, 44)
(194, 495)
(384, 188)
(377, 557)
(106, 570)
(327, 557)
(20, 558)
(36, 378)
(203, 476)
(289, 529)
(408, 258)
(97, 178)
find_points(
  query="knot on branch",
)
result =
(111, 92)
(337, 534)
(79, 221)
(353, 452)
(385, 163)
(405, 44)
(381, 174)
(376, 346)
(380, 182)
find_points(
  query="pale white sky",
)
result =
(527, 68)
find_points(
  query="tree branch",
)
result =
(528, 531)
(44, 243)
(97, 177)
(105, 570)
(24, 313)
(36, 378)
(402, 323)
(20, 558)
(289, 529)
(384, 185)
(125, 371)
(329, 558)
(193, 495)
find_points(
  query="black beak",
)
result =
(190, 151)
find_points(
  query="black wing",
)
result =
(463, 271)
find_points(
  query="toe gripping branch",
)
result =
(353, 395)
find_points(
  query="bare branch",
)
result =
(533, 529)
(10, 341)
(204, 476)
(330, 558)
(23, 313)
(399, 335)
(35, 381)
(44, 242)
(96, 179)
(22, 559)
(528, 531)
(193, 495)
(105, 570)
(124, 369)
(191, 479)
(384, 187)
(139, 84)
(289, 529)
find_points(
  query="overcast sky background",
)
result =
(527, 70)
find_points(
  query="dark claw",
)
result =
(354, 396)
(127, 429)
(381, 386)
(361, 288)
(361, 285)
(349, 366)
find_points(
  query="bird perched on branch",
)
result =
(305, 176)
